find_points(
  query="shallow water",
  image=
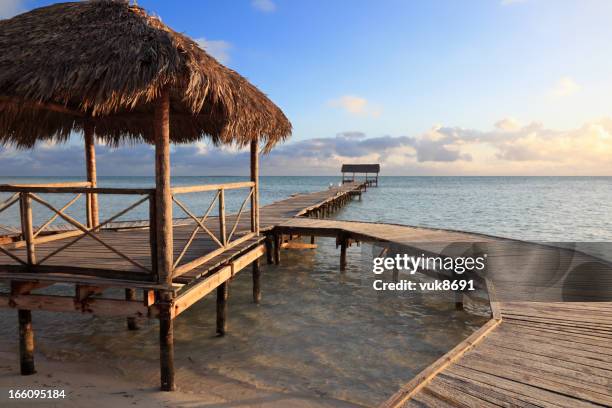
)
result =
(317, 331)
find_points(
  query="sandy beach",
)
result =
(99, 385)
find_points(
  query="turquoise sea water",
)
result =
(319, 332)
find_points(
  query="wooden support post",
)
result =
(153, 236)
(93, 217)
(166, 342)
(222, 296)
(256, 282)
(163, 196)
(458, 293)
(312, 240)
(130, 294)
(26, 342)
(458, 300)
(278, 241)
(26, 226)
(269, 248)
(343, 244)
(255, 179)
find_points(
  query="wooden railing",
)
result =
(226, 234)
(25, 195)
(223, 238)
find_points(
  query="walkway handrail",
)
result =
(212, 187)
(228, 234)
(26, 194)
(224, 238)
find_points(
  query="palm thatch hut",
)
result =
(110, 70)
(366, 169)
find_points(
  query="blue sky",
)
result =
(537, 71)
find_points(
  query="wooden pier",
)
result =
(528, 354)
(207, 252)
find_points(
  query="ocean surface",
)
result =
(320, 332)
(529, 208)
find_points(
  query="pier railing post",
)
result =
(26, 226)
(222, 227)
(255, 179)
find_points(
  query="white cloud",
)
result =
(566, 86)
(219, 49)
(355, 105)
(531, 149)
(267, 6)
(508, 124)
(10, 8)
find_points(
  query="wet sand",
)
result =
(97, 386)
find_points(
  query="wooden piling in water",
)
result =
(256, 282)
(222, 296)
(343, 244)
(130, 294)
(278, 241)
(269, 248)
(458, 294)
(26, 342)
(166, 344)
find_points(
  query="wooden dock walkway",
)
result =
(548, 354)
(133, 239)
(535, 355)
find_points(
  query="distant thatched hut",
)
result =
(117, 74)
(366, 169)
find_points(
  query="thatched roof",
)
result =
(106, 61)
(360, 168)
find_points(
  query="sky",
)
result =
(440, 87)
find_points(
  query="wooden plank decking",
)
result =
(540, 354)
